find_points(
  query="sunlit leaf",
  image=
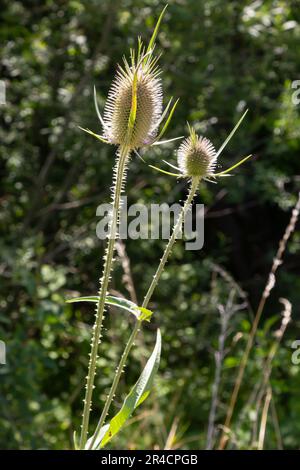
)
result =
(137, 395)
(155, 32)
(97, 439)
(75, 442)
(141, 313)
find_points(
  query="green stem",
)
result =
(155, 280)
(120, 172)
(168, 249)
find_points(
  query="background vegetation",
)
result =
(218, 58)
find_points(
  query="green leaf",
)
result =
(75, 442)
(141, 313)
(231, 362)
(153, 37)
(137, 395)
(98, 439)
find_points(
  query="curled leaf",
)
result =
(141, 313)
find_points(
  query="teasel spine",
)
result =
(177, 226)
(119, 181)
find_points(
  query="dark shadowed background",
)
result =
(219, 58)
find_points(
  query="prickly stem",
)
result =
(155, 280)
(119, 179)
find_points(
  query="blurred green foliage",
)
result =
(218, 58)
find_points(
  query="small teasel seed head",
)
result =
(196, 156)
(148, 103)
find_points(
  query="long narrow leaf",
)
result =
(153, 37)
(141, 313)
(137, 395)
(98, 439)
(75, 441)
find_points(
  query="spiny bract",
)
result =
(196, 156)
(148, 103)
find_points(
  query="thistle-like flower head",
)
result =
(134, 106)
(196, 156)
(133, 111)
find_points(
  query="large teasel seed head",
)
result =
(136, 85)
(133, 111)
(196, 156)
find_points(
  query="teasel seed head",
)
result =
(140, 79)
(133, 113)
(196, 156)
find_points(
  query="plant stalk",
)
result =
(120, 173)
(154, 283)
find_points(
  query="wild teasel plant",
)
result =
(197, 159)
(133, 115)
(132, 118)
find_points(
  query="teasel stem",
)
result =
(192, 192)
(120, 174)
(153, 285)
